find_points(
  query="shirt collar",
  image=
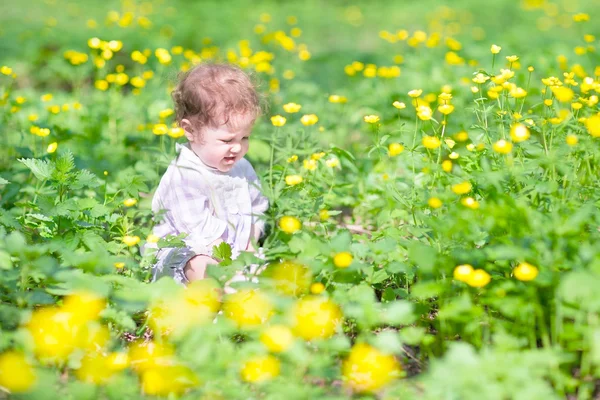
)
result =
(188, 158)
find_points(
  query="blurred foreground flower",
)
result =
(260, 368)
(315, 317)
(367, 369)
(290, 224)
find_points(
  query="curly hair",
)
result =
(212, 95)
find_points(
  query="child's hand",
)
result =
(195, 269)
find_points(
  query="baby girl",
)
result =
(210, 191)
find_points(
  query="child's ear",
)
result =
(188, 128)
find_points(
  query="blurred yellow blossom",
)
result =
(309, 119)
(371, 119)
(462, 188)
(293, 180)
(291, 107)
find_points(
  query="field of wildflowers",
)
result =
(433, 174)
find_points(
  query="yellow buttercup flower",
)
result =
(446, 109)
(371, 119)
(16, 373)
(309, 164)
(502, 146)
(425, 113)
(431, 142)
(309, 119)
(592, 124)
(176, 132)
(130, 202)
(367, 369)
(278, 120)
(434, 202)
(512, 59)
(290, 278)
(152, 238)
(469, 202)
(478, 278)
(495, 49)
(415, 93)
(519, 133)
(52, 147)
(277, 338)
(291, 107)
(394, 149)
(447, 166)
(343, 259)
(292, 180)
(399, 105)
(167, 112)
(290, 224)
(160, 129)
(248, 308)
(336, 99)
(572, 139)
(131, 240)
(292, 158)
(563, 94)
(462, 188)
(525, 272)
(332, 162)
(260, 369)
(315, 317)
(463, 272)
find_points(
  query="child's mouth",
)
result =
(229, 160)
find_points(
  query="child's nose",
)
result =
(236, 148)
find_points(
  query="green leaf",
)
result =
(422, 256)
(399, 312)
(412, 334)
(42, 169)
(85, 178)
(222, 251)
(3, 181)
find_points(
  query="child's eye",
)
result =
(226, 141)
(245, 138)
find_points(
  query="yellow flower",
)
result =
(119, 265)
(260, 369)
(288, 277)
(525, 272)
(152, 238)
(160, 129)
(367, 369)
(343, 259)
(512, 59)
(394, 149)
(293, 179)
(572, 139)
(519, 133)
(309, 164)
(453, 156)
(447, 165)
(593, 125)
(518, 93)
(315, 317)
(52, 147)
(290, 224)
(399, 105)
(16, 373)
(101, 84)
(371, 119)
(130, 202)
(478, 278)
(292, 158)
(131, 240)
(480, 78)
(148, 356)
(431, 142)
(470, 202)
(32, 117)
(563, 94)
(446, 109)
(278, 120)
(317, 156)
(317, 288)
(332, 162)
(463, 272)
(167, 112)
(309, 119)
(462, 136)
(176, 132)
(424, 112)
(248, 308)
(462, 188)
(434, 202)
(415, 93)
(495, 49)
(291, 107)
(502, 146)
(6, 70)
(277, 338)
(336, 99)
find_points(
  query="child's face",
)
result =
(222, 147)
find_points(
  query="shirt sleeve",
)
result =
(260, 203)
